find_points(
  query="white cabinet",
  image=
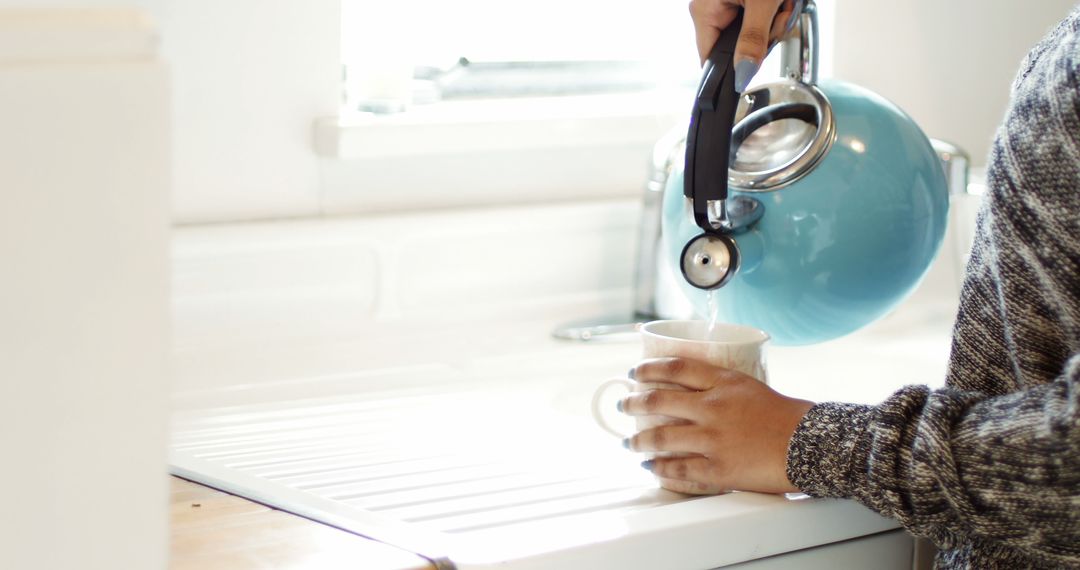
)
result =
(886, 551)
(83, 290)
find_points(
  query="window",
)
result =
(399, 53)
(495, 101)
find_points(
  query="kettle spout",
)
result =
(710, 261)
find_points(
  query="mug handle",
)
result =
(598, 414)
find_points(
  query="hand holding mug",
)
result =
(706, 420)
(736, 427)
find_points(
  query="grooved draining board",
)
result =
(474, 468)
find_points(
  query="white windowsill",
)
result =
(480, 153)
(503, 124)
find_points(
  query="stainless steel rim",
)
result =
(805, 161)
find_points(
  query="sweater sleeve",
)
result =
(990, 465)
(956, 467)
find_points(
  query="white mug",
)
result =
(736, 347)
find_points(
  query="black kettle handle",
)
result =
(705, 176)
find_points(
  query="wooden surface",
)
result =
(212, 530)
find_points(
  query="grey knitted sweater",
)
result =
(988, 468)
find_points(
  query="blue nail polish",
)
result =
(647, 465)
(618, 405)
(630, 374)
(626, 443)
(744, 72)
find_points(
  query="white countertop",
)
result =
(289, 348)
(522, 397)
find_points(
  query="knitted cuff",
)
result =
(825, 452)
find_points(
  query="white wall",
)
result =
(250, 77)
(948, 64)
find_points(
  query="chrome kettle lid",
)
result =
(782, 131)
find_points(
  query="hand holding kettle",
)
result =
(764, 22)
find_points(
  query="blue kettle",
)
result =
(807, 209)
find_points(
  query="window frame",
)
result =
(603, 138)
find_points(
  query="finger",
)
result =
(786, 17)
(753, 41)
(710, 16)
(671, 403)
(677, 438)
(686, 372)
(697, 469)
(784, 21)
(690, 487)
(779, 27)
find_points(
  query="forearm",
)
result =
(947, 464)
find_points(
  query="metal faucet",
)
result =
(656, 295)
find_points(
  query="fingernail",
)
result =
(626, 443)
(630, 374)
(647, 465)
(618, 405)
(744, 72)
